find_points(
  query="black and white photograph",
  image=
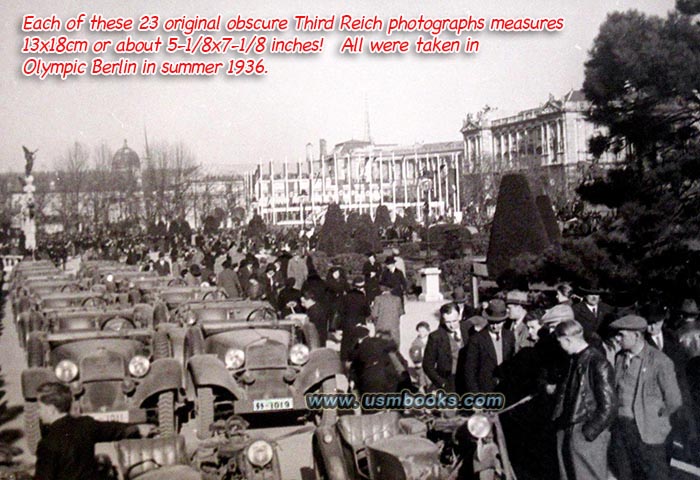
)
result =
(335, 240)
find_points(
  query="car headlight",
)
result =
(66, 371)
(299, 354)
(234, 358)
(479, 425)
(139, 365)
(260, 453)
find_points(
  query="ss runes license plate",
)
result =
(273, 404)
(118, 416)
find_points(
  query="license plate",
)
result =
(273, 404)
(118, 416)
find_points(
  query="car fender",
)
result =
(331, 453)
(33, 378)
(323, 363)
(165, 375)
(208, 371)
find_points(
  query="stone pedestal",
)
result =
(430, 283)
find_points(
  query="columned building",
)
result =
(360, 176)
(549, 143)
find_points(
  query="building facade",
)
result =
(548, 143)
(360, 176)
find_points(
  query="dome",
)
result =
(126, 159)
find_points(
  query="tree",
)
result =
(366, 236)
(517, 226)
(641, 78)
(382, 217)
(334, 234)
(72, 170)
(544, 206)
(256, 227)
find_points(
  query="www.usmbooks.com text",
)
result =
(438, 400)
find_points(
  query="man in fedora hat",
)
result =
(517, 302)
(354, 311)
(591, 313)
(487, 350)
(648, 397)
(460, 298)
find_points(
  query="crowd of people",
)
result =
(608, 389)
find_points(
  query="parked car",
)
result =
(118, 373)
(241, 358)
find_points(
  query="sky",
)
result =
(232, 122)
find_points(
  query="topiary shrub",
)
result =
(334, 235)
(366, 236)
(457, 273)
(517, 226)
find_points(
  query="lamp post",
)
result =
(426, 184)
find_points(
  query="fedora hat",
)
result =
(590, 290)
(496, 311)
(458, 295)
(689, 307)
(517, 297)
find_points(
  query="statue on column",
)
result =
(28, 222)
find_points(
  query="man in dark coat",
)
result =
(393, 278)
(318, 312)
(67, 449)
(372, 367)
(372, 271)
(592, 314)
(354, 310)
(441, 354)
(289, 299)
(585, 408)
(488, 350)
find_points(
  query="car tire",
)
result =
(194, 340)
(205, 411)
(327, 416)
(160, 313)
(166, 414)
(32, 425)
(35, 351)
(161, 345)
(319, 467)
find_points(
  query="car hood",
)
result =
(76, 351)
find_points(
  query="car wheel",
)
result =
(205, 411)
(319, 467)
(194, 341)
(161, 345)
(327, 416)
(35, 351)
(166, 414)
(32, 426)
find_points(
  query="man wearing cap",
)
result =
(442, 350)
(487, 350)
(648, 396)
(585, 407)
(591, 313)
(517, 302)
(371, 270)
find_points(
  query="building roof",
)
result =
(126, 159)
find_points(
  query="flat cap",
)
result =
(629, 322)
(557, 314)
